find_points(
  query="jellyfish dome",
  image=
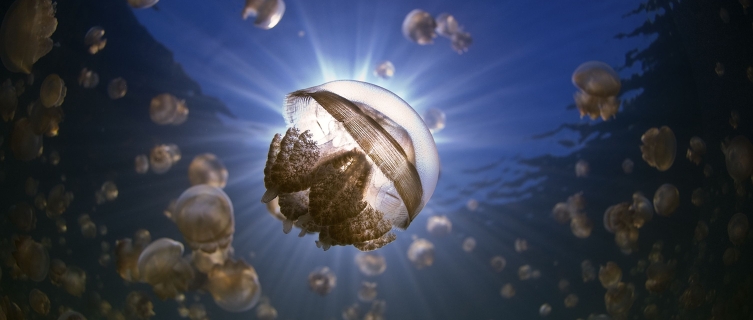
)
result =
(666, 200)
(25, 33)
(738, 154)
(94, 39)
(204, 215)
(370, 264)
(659, 147)
(439, 226)
(234, 286)
(267, 12)
(421, 253)
(599, 85)
(207, 169)
(32, 258)
(53, 91)
(356, 161)
(161, 265)
(419, 26)
(322, 280)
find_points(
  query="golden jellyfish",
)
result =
(267, 12)
(138, 305)
(461, 41)
(545, 309)
(498, 263)
(167, 109)
(74, 281)
(204, 215)
(57, 271)
(571, 301)
(161, 265)
(370, 264)
(204, 262)
(71, 315)
(385, 70)
(94, 39)
(696, 150)
(88, 228)
(419, 27)
(599, 85)
(582, 168)
(627, 166)
(619, 299)
(45, 120)
(446, 25)
(22, 216)
(162, 157)
(627, 239)
(642, 209)
(738, 154)
(588, 272)
(521, 245)
(265, 311)
(8, 101)
(617, 217)
(356, 162)
(109, 190)
(421, 253)
(207, 169)
(322, 281)
(659, 276)
(351, 312)
(127, 253)
(117, 88)
(581, 226)
(197, 312)
(25, 143)
(507, 291)
(88, 79)
(142, 4)
(53, 91)
(469, 244)
(737, 228)
(439, 226)
(659, 147)
(525, 272)
(25, 33)
(610, 275)
(39, 302)
(435, 119)
(31, 257)
(367, 292)
(666, 200)
(141, 164)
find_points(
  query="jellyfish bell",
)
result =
(659, 147)
(370, 264)
(469, 244)
(160, 159)
(322, 280)
(207, 169)
(267, 12)
(53, 91)
(88, 79)
(421, 253)
(385, 70)
(94, 39)
(204, 215)
(117, 88)
(435, 119)
(31, 257)
(25, 144)
(161, 265)
(167, 109)
(419, 26)
(597, 79)
(39, 302)
(738, 154)
(25, 33)
(142, 4)
(446, 25)
(439, 226)
(666, 200)
(610, 275)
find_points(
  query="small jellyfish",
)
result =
(719, 68)
(142, 4)
(588, 272)
(599, 85)
(197, 312)
(507, 291)
(571, 301)
(204, 215)
(701, 231)
(582, 168)
(127, 252)
(138, 305)
(88, 228)
(367, 292)
(117, 88)
(581, 226)
(57, 271)
(461, 41)
(207, 169)
(446, 25)
(525, 272)
(696, 150)
(469, 244)
(45, 120)
(74, 281)
(25, 33)
(161, 159)
(39, 302)
(141, 164)
(471, 205)
(265, 311)
(659, 148)
(627, 166)
(439, 226)
(738, 154)
(619, 299)
(545, 310)
(693, 296)
(8, 101)
(167, 109)
(71, 315)
(267, 12)
(53, 91)
(421, 253)
(161, 265)
(31, 257)
(385, 70)
(352, 312)
(88, 79)
(498, 263)
(109, 190)
(627, 239)
(419, 27)
(94, 39)
(610, 275)
(737, 228)
(370, 264)
(322, 281)
(25, 143)
(22, 216)
(435, 119)
(521, 245)
(659, 276)
(642, 209)
(666, 200)
(698, 197)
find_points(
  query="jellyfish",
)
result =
(627, 166)
(54, 158)
(461, 41)
(267, 12)
(419, 26)
(204, 215)
(71, 315)
(666, 200)
(8, 101)
(88, 79)
(739, 158)
(446, 25)
(322, 281)
(94, 39)
(525, 272)
(435, 119)
(370, 264)
(469, 244)
(141, 164)
(138, 305)
(701, 231)
(582, 168)
(356, 162)
(521, 245)
(737, 228)
(204, 262)
(642, 210)
(599, 85)
(109, 190)
(439, 226)
(545, 310)
(74, 281)
(39, 302)
(610, 275)
(265, 311)
(619, 299)
(117, 88)
(659, 147)
(31, 257)
(659, 276)
(22, 216)
(207, 169)
(127, 253)
(730, 256)
(167, 109)
(693, 296)
(507, 291)
(161, 158)
(25, 33)
(57, 271)
(367, 292)
(421, 253)
(385, 70)
(142, 4)
(161, 265)
(498, 263)
(719, 68)
(571, 301)
(53, 91)
(88, 228)
(563, 285)
(351, 312)
(581, 226)
(696, 150)
(25, 143)
(588, 272)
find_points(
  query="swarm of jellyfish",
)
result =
(322, 280)
(204, 215)
(94, 39)
(370, 264)
(355, 162)
(385, 70)
(421, 253)
(166, 109)
(207, 169)
(267, 12)
(25, 33)
(659, 147)
(599, 86)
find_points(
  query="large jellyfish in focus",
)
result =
(419, 26)
(267, 12)
(599, 85)
(25, 33)
(204, 215)
(234, 286)
(356, 161)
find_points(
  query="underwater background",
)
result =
(508, 155)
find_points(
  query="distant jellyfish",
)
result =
(204, 215)
(57, 271)
(627, 239)
(507, 291)
(370, 264)
(39, 302)
(25, 33)
(730, 256)
(719, 68)
(561, 212)
(525, 272)
(498, 263)
(738, 154)
(642, 210)
(351, 312)
(419, 27)
(471, 205)
(31, 257)
(267, 12)
(166, 109)
(421, 253)
(141, 164)
(521, 245)
(588, 272)
(138, 305)
(127, 254)
(439, 226)
(385, 70)
(545, 310)
(142, 4)
(610, 275)
(582, 168)
(666, 200)
(461, 41)
(161, 265)
(74, 281)
(627, 166)
(205, 262)
(659, 276)
(563, 285)
(45, 120)
(8, 101)
(94, 39)
(355, 162)
(109, 190)
(88, 79)
(71, 315)
(23, 217)
(117, 88)
(322, 281)
(446, 25)
(617, 217)
(581, 226)
(265, 311)
(469, 244)
(207, 169)
(659, 148)
(53, 91)
(599, 85)
(696, 151)
(435, 119)
(25, 144)
(160, 159)
(376, 312)
(367, 292)
(197, 312)
(737, 228)
(734, 118)
(619, 299)
(701, 231)
(88, 228)
(693, 297)
(571, 301)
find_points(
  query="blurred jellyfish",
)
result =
(469, 244)
(351, 312)
(666, 200)
(719, 68)
(610, 275)
(88, 228)
(627, 166)
(385, 70)
(167, 109)
(370, 264)
(439, 226)
(53, 91)
(197, 312)
(207, 169)
(162, 158)
(8, 101)
(498, 263)
(45, 120)
(582, 168)
(545, 310)
(74, 281)
(507, 291)
(659, 276)
(563, 285)
(71, 315)
(419, 26)
(141, 164)
(599, 85)
(22, 216)
(421, 253)
(651, 312)
(54, 158)
(25, 33)
(737, 228)
(161, 265)
(730, 256)
(94, 39)
(31, 257)
(88, 79)
(581, 226)
(627, 239)
(265, 311)
(25, 143)
(461, 41)
(693, 296)
(521, 245)
(39, 302)
(57, 271)
(617, 217)
(322, 281)
(734, 118)
(739, 158)
(525, 272)
(355, 162)
(117, 88)
(127, 252)
(435, 119)
(571, 301)
(642, 209)
(234, 286)
(109, 190)
(267, 12)
(659, 148)
(696, 151)
(367, 292)
(142, 4)
(138, 305)
(376, 312)
(446, 25)
(588, 272)
(701, 231)
(619, 299)
(204, 215)
(471, 205)
(698, 197)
